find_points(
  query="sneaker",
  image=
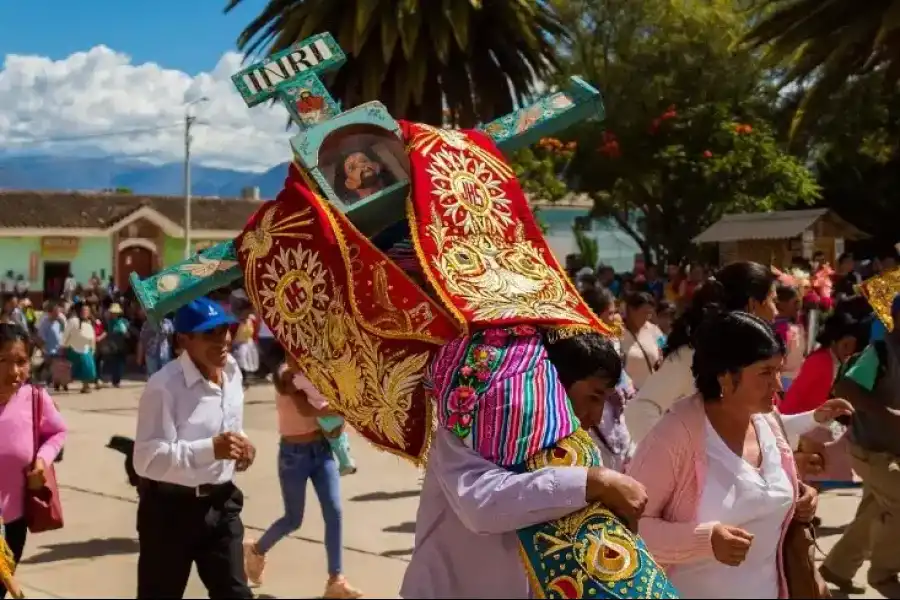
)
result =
(254, 564)
(340, 588)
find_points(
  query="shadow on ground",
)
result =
(93, 548)
(397, 553)
(407, 527)
(379, 496)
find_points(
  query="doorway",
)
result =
(55, 274)
(134, 259)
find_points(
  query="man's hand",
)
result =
(248, 457)
(807, 503)
(228, 446)
(624, 496)
(36, 477)
(730, 544)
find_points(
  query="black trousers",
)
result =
(177, 529)
(16, 533)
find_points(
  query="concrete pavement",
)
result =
(95, 555)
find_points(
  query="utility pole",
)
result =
(189, 121)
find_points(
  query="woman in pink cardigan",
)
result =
(721, 481)
(17, 449)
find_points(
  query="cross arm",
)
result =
(554, 112)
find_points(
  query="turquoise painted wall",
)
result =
(94, 255)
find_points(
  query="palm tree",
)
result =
(462, 61)
(827, 42)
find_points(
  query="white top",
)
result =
(756, 500)
(179, 413)
(673, 381)
(79, 335)
(641, 353)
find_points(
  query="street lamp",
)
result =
(188, 123)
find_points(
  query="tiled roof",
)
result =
(101, 210)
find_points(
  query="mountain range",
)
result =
(45, 172)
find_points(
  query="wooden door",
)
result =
(134, 260)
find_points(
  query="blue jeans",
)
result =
(297, 464)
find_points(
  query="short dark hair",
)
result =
(785, 293)
(599, 299)
(727, 343)
(638, 299)
(581, 356)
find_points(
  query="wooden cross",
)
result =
(292, 77)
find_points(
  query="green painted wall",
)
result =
(173, 249)
(94, 255)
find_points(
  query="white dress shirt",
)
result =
(179, 414)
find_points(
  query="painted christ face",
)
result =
(363, 175)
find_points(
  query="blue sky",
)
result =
(188, 35)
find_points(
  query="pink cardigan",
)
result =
(671, 463)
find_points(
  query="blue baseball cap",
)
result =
(201, 315)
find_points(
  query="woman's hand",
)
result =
(831, 410)
(807, 503)
(624, 496)
(36, 477)
(730, 545)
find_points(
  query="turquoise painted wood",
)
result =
(292, 77)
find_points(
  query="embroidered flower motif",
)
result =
(462, 399)
(467, 371)
(496, 337)
(483, 376)
(459, 423)
(483, 355)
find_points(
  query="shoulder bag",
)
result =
(43, 509)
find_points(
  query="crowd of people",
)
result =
(720, 406)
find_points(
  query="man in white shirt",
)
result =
(189, 444)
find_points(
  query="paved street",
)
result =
(95, 554)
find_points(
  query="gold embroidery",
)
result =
(371, 386)
(880, 292)
(425, 140)
(496, 273)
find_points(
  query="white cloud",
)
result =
(98, 101)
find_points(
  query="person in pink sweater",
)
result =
(721, 480)
(17, 449)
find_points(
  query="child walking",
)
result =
(304, 454)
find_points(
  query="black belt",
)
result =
(200, 491)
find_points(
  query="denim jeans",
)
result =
(298, 463)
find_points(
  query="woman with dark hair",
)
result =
(841, 337)
(744, 286)
(640, 340)
(21, 464)
(721, 479)
(80, 342)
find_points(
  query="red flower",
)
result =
(707, 154)
(462, 399)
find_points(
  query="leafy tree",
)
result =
(687, 136)
(856, 150)
(828, 42)
(476, 58)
